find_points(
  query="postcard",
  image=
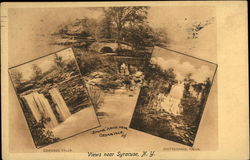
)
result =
(165, 79)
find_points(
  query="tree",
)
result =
(130, 24)
(17, 77)
(37, 72)
(59, 62)
(106, 26)
(160, 37)
(139, 36)
(170, 75)
(198, 88)
(208, 84)
(188, 81)
(123, 17)
(188, 78)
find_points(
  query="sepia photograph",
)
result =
(113, 82)
(173, 96)
(53, 97)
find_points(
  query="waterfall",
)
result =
(40, 107)
(172, 101)
(61, 106)
(29, 101)
(46, 109)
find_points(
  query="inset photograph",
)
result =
(53, 97)
(173, 96)
(113, 81)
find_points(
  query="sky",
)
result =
(183, 65)
(44, 63)
(29, 29)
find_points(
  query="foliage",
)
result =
(58, 62)
(123, 16)
(191, 108)
(208, 84)
(130, 24)
(198, 87)
(106, 26)
(203, 100)
(160, 37)
(17, 77)
(188, 78)
(71, 66)
(37, 72)
(139, 36)
(154, 71)
(40, 135)
(111, 82)
(109, 65)
(163, 125)
(89, 63)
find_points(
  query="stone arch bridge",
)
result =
(109, 46)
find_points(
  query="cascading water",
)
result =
(61, 106)
(172, 101)
(40, 107)
(29, 101)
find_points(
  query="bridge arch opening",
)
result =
(107, 50)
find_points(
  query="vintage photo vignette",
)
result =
(202, 111)
(22, 104)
